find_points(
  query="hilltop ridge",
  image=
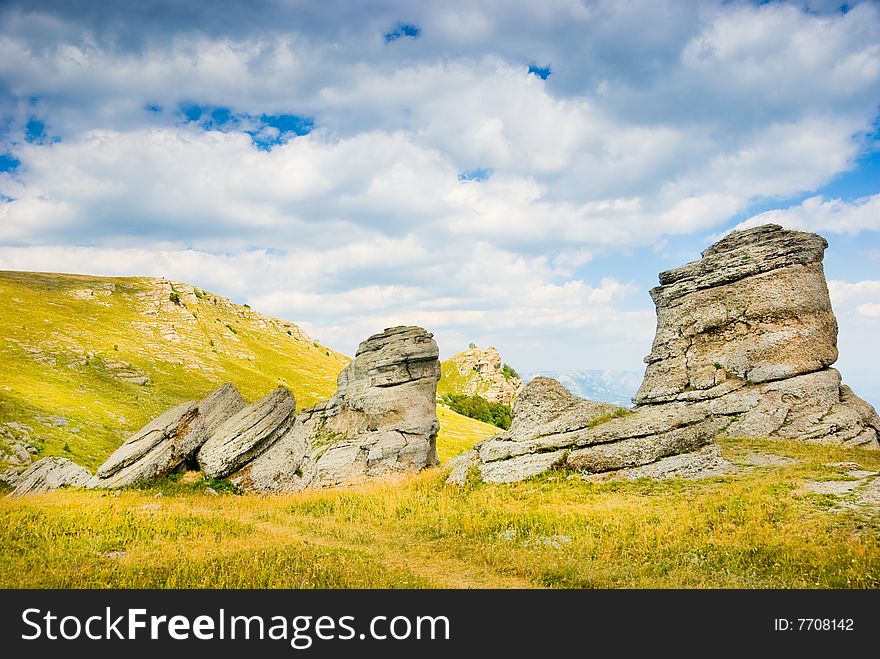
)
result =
(479, 372)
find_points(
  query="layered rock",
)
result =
(744, 343)
(480, 372)
(50, 474)
(247, 434)
(165, 443)
(381, 420)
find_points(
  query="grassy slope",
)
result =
(756, 529)
(453, 382)
(459, 433)
(66, 340)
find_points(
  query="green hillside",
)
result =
(87, 360)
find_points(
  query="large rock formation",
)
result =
(165, 443)
(744, 343)
(50, 474)
(382, 420)
(480, 372)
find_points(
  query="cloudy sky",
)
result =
(505, 172)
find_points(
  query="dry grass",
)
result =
(755, 529)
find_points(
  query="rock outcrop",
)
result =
(744, 345)
(247, 434)
(480, 372)
(50, 474)
(382, 420)
(168, 441)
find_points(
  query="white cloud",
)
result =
(847, 293)
(857, 307)
(820, 214)
(659, 121)
(869, 310)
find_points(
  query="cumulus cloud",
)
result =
(820, 214)
(439, 180)
(857, 306)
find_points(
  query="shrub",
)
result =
(509, 372)
(477, 407)
(174, 297)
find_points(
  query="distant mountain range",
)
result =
(616, 387)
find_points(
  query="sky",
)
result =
(510, 173)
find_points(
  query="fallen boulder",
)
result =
(247, 434)
(168, 441)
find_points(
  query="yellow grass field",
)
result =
(755, 529)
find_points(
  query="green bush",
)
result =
(174, 297)
(509, 372)
(477, 407)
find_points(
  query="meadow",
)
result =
(757, 528)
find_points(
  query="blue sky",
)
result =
(510, 173)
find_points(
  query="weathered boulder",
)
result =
(744, 343)
(247, 434)
(50, 474)
(478, 371)
(754, 309)
(382, 420)
(165, 443)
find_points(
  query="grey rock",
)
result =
(869, 495)
(50, 474)
(460, 466)
(521, 467)
(636, 451)
(248, 433)
(831, 487)
(545, 407)
(382, 420)
(744, 345)
(18, 454)
(19, 429)
(52, 420)
(702, 463)
(168, 441)
(12, 476)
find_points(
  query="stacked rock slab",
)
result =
(381, 420)
(248, 433)
(744, 343)
(165, 443)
